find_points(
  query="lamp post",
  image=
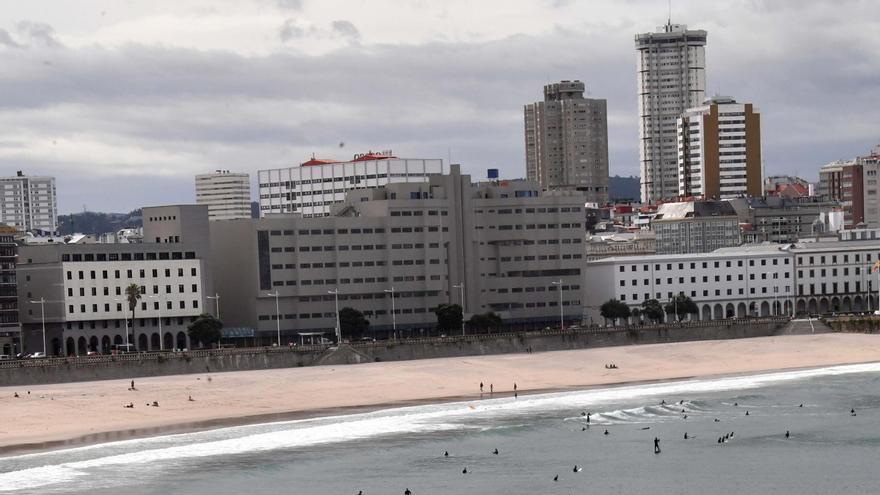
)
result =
(393, 312)
(335, 293)
(461, 286)
(561, 312)
(277, 315)
(216, 298)
(158, 297)
(42, 303)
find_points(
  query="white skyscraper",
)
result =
(227, 194)
(671, 78)
(29, 203)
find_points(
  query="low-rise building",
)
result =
(785, 220)
(695, 227)
(634, 243)
(754, 280)
(79, 290)
(502, 246)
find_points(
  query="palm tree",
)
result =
(132, 293)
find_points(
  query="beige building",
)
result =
(497, 246)
(227, 194)
(719, 150)
(566, 139)
(671, 69)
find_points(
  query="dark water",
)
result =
(538, 437)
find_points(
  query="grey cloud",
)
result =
(290, 4)
(346, 29)
(6, 39)
(289, 30)
(39, 32)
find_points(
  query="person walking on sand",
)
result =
(491, 388)
(132, 385)
(514, 386)
(656, 445)
(481, 387)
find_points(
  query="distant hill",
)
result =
(621, 188)
(93, 222)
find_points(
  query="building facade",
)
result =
(503, 246)
(313, 187)
(29, 203)
(782, 219)
(671, 70)
(9, 325)
(83, 288)
(227, 194)
(566, 140)
(695, 227)
(795, 279)
(719, 150)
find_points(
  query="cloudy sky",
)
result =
(125, 100)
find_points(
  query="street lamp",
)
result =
(335, 293)
(461, 286)
(216, 298)
(124, 317)
(42, 303)
(393, 312)
(277, 316)
(158, 298)
(561, 312)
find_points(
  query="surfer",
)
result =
(801, 405)
(576, 469)
(747, 413)
(556, 478)
(606, 432)
(495, 451)
(717, 420)
(852, 412)
(464, 471)
(407, 492)
(787, 434)
(446, 454)
(588, 417)
(685, 435)
(656, 445)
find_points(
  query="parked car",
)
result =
(38, 355)
(4, 357)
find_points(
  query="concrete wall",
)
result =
(257, 359)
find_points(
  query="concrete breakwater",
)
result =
(61, 370)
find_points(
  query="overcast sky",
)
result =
(125, 100)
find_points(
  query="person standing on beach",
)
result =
(656, 445)
(481, 387)
(132, 385)
(491, 388)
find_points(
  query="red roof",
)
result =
(317, 161)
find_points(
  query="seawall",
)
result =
(61, 370)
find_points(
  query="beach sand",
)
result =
(90, 412)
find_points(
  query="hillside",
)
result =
(93, 222)
(623, 188)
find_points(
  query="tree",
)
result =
(681, 306)
(653, 310)
(352, 323)
(133, 294)
(449, 316)
(613, 309)
(206, 330)
(485, 321)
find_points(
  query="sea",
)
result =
(545, 445)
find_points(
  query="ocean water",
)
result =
(538, 437)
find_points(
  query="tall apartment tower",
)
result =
(29, 203)
(671, 67)
(227, 194)
(567, 141)
(719, 150)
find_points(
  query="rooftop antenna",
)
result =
(669, 19)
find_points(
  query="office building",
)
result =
(566, 139)
(313, 187)
(28, 203)
(719, 150)
(756, 280)
(695, 227)
(671, 68)
(782, 219)
(9, 325)
(500, 246)
(83, 287)
(227, 194)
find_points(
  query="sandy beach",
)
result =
(90, 412)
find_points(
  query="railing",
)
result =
(451, 339)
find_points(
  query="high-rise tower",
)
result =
(567, 141)
(671, 67)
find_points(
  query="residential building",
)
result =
(28, 203)
(83, 287)
(617, 244)
(753, 280)
(9, 325)
(313, 187)
(671, 69)
(227, 194)
(719, 150)
(566, 138)
(501, 246)
(788, 186)
(870, 165)
(783, 219)
(695, 227)
(843, 181)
